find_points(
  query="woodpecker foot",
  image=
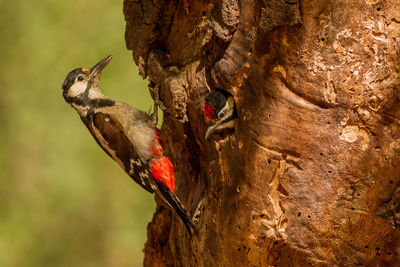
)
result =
(155, 91)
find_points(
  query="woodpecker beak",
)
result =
(211, 130)
(96, 69)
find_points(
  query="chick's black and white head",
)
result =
(214, 105)
(79, 81)
(219, 110)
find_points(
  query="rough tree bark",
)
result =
(311, 174)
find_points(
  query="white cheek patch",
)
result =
(225, 110)
(77, 89)
(95, 93)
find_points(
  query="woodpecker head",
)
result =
(219, 110)
(80, 81)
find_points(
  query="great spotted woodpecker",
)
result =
(220, 111)
(127, 135)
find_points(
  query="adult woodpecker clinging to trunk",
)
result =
(127, 135)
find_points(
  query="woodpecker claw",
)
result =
(155, 91)
(157, 101)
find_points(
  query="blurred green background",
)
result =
(63, 202)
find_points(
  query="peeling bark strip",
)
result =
(311, 174)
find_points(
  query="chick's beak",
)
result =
(96, 69)
(210, 131)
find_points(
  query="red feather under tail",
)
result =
(162, 170)
(161, 167)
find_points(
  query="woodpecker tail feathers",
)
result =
(177, 205)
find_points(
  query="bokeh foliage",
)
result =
(63, 202)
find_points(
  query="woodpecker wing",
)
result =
(110, 135)
(168, 196)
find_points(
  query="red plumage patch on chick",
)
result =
(214, 102)
(209, 111)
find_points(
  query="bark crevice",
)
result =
(311, 173)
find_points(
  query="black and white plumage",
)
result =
(127, 135)
(220, 111)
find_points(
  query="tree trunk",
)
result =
(311, 174)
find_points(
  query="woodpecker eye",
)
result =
(80, 78)
(221, 114)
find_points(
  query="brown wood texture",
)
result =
(311, 174)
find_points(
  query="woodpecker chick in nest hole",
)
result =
(220, 112)
(129, 136)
